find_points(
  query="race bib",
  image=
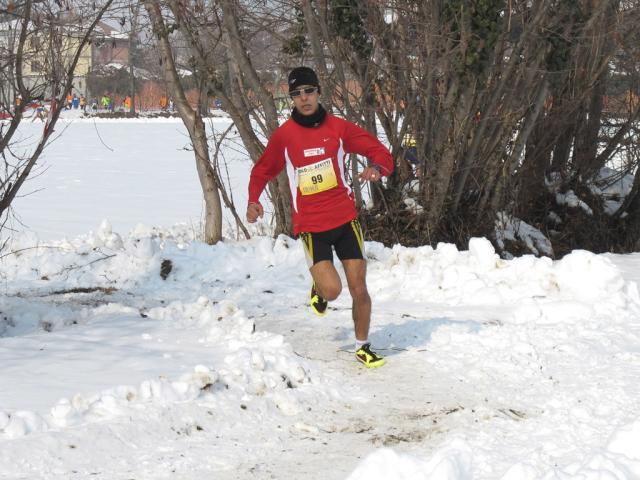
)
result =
(317, 177)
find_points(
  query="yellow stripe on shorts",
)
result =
(357, 230)
(307, 242)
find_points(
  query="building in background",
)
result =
(109, 47)
(46, 55)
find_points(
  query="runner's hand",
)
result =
(254, 210)
(371, 174)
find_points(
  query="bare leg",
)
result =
(327, 280)
(356, 272)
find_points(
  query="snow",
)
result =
(511, 228)
(571, 200)
(131, 172)
(613, 187)
(497, 369)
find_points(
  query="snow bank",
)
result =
(454, 460)
(478, 276)
(533, 343)
(581, 284)
(255, 364)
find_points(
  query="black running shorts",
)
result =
(346, 239)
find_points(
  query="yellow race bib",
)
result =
(317, 177)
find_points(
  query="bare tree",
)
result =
(245, 78)
(42, 44)
(191, 118)
(500, 98)
(497, 95)
(219, 41)
(134, 21)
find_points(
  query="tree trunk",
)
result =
(280, 193)
(133, 43)
(440, 179)
(315, 36)
(632, 208)
(587, 138)
(509, 167)
(195, 126)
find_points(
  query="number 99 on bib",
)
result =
(317, 177)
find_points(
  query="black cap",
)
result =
(303, 76)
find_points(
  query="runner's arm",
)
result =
(358, 140)
(268, 166)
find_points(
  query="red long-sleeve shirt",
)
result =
(315, 161)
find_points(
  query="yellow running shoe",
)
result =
(368, 357)
(318, 304)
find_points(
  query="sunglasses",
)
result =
(306, 91)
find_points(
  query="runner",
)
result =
(312, 145)
(41, 112)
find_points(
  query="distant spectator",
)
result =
(170, 104)
(94, 104)
(105, 101)
(410, 150)
(69, 102)
(83, 103)
(127, 103)
(164, 101)
(41, 112)
(75, 101)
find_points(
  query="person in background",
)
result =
(83, 103)
(41, 111)
(313, 145)
(104, 102)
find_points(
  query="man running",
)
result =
(312, 145)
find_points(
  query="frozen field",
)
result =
(128, 172)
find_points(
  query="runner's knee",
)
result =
(359, 292)
(331, 292)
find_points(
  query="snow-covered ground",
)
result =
(129, 171)
(519, 369)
